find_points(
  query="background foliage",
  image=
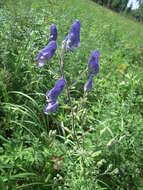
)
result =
(117, 5)
(37, 151)
(123, 6)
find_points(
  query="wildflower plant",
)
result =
(70, 43)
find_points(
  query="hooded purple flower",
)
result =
(73, 39)
(47, 53)
(88, 85)
(53, 33)
(93, 62)
(53, 94)
(51, 107)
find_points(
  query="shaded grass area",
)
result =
(37, 151)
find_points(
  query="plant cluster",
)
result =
(55, 133)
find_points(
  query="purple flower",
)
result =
(73, 38)
(51, 107)
(53, 94)
(47, 53)
(88, 85)
(53, 33)
(93, 62)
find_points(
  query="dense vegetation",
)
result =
(116, 5)
(137, 13)
(38, 151)
(123, 6)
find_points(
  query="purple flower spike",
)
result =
(53, 33)
(53, 94)
(73, 39)
(88, 85)
(51, 107)
(93, 62)
(47, 53)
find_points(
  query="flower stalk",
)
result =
(70, 43)
(61, 65)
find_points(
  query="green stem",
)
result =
(61, 63)
(83, 143)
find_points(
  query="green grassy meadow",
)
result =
(38, 151)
